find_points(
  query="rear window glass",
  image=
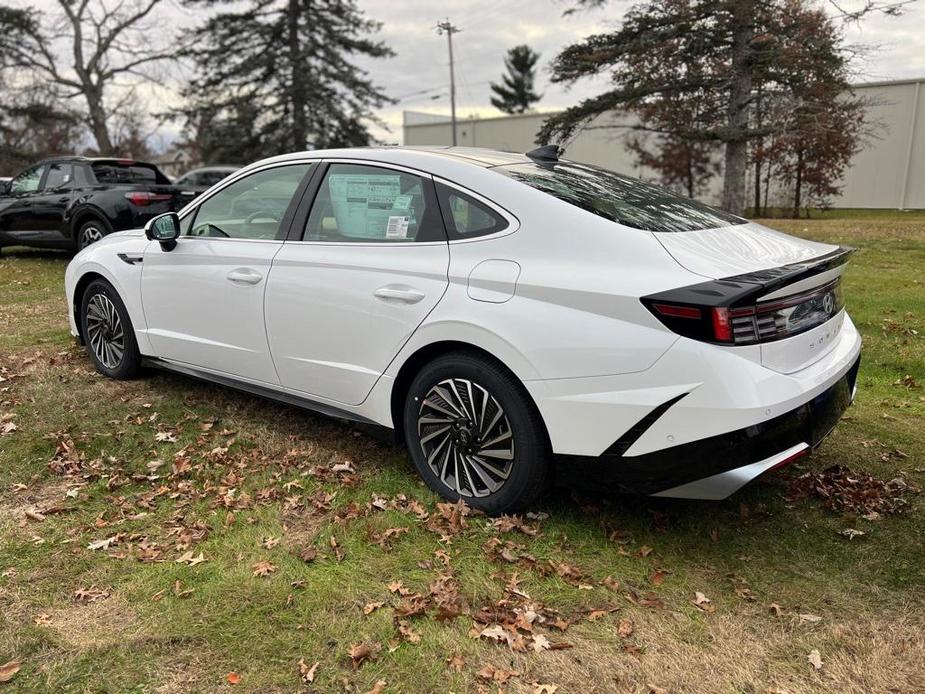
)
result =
(620, 199)
(112, 172)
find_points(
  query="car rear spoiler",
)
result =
(750, 287)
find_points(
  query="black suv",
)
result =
(70, 202)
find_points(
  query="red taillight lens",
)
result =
(143, 198)
(722, 329)
(678, 311)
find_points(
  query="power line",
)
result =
(447, 28)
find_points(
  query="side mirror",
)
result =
(164, 228)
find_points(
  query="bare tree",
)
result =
(92, 47)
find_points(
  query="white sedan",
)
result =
(517, 319)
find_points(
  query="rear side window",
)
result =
(358, 203)
(620, 199)
(115, 172)
(465, 216)
(59, 176)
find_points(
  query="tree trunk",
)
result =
(690, 175)
(736, 159)
(94, 97)
(298, 95)
(797, 189)
(756, 212)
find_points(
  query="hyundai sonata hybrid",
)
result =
(518, 319)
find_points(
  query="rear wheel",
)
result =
(474, 434)
(90, 232)
(107, 331)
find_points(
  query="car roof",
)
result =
(95, 160)
(216, 167)
(412, 155)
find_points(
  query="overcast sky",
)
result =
(489, 27)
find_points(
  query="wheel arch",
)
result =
(79, 289)
(85, 214)
(427, 353)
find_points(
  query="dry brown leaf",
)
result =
(8, 670)
(378, 688)
(456, 662)
(545, 688)
(306, 673)
(263, 568)
(361, 652)
(540, 643)
(625, 628)
(815, 659)
(775, 609)
(233, 678)
(371, 607)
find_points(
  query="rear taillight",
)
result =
(143, 198)
(751, 323)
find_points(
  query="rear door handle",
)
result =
(244, 275)
(399, 292)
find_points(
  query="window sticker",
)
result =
(363, 204)
(397, 228)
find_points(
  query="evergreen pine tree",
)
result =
(279, 76)
(515, 94)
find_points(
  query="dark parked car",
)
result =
(70, 202)
(200, 180)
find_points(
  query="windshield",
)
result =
(620, 199)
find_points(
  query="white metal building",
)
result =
(889, 172)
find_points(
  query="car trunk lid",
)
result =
(742, 248)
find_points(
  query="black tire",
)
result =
(108, 333)
(492, 388)
(89, 232)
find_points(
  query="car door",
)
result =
(17, 213)
(361, 271)
(50, 204)
(203, 299)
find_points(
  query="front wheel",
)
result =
(474, 434)
(108, 333)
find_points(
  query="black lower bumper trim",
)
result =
(653, 472)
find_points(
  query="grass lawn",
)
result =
(165, 535)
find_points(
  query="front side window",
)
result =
(59, 176)
(28, 181)
(627, 201)
(250, 208)
(360, 203)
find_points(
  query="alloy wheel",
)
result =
(105, 334)
(90, 234)
(466, 437)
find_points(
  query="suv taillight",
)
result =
(143, 198)
(753, 323)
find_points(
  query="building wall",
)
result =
(888, 172)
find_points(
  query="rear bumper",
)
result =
(714, 467)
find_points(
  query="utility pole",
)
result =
(448, 28)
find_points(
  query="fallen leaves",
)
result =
(844, 490)
(851, 533)
(91, 594)
(8, 670)
(263, 568)
(306, 673)
(361, 652)
(702, 602)
(233, 678)
(815, 659)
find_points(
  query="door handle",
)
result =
(399, 292)
(244, 275)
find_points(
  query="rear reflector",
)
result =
(143, 198)
(721, 328)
